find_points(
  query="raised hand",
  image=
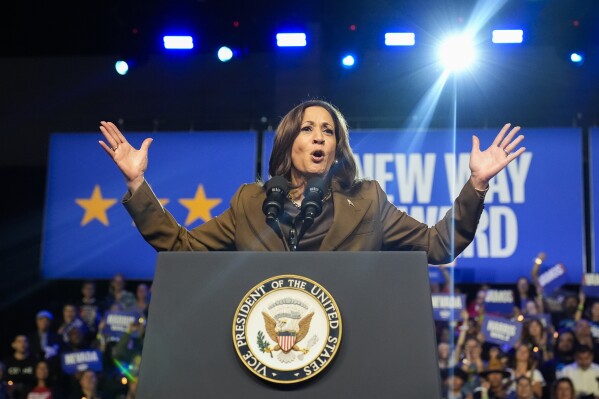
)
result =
(131, 162)
(484, 165)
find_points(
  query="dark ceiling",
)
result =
(114, 27)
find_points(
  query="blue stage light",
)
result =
(400, 39)
(178, 42)
(577, 58)
(508, 36)
(225, 53)
(121, 67)
(348, 61)
(291, 39)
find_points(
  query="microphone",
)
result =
(276, 190)
(312, 203)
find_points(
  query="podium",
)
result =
(387, 349)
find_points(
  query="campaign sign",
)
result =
(422, 172)
(118, 322)
(88, 233)
(499, 301)
(73, 362)
(498, 330)
(553, 278)
(448, 307)
(590, 285)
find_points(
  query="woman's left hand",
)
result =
(484, 165)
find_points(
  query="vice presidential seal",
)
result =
(287, 329)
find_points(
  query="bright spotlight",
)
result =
(291, 39)
(121, 67)
(348, 61)
(400, 39)
(178, 42)
(508, 36)
(577, 58)
(225, 53)
(457, 53)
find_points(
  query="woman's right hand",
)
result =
(131, 162)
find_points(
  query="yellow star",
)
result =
(95, 207)
(199, 206)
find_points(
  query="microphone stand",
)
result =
(276, 226)
(293, 238)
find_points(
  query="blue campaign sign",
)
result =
(535, 204)
(499, 301)
(89, 234)
(73, 362)
(498, 330)
(118, 322)
(553, 278)
(448, 307)
(590, 284)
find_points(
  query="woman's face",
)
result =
(522, 285)
(41, 371)
(531, 308)
(88, 381)
(564, 391)
(313, 151)
(118, 282)
(565, 342)
(480, 296)
(522, 353)
(142, 291)
(69, 313)
(443, 350)
(535, 329)
(524, 388)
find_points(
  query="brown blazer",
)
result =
(363, 221)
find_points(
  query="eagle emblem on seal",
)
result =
(288, 326)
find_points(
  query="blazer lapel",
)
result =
(256, 221)
(348, 213)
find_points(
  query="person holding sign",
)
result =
(525, 365)
(312, 141)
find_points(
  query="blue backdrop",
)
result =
(88, 233)
(535, 205)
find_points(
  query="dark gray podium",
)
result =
(388, 347)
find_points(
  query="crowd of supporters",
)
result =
(37, 368)
(554, 356)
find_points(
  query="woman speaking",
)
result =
(311, 156)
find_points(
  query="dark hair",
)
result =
(47, 367)
(523, 377)
(71, 304)
(526, 337)
(344, 171)
(559, 381)
(583, 349)
(531, 363)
